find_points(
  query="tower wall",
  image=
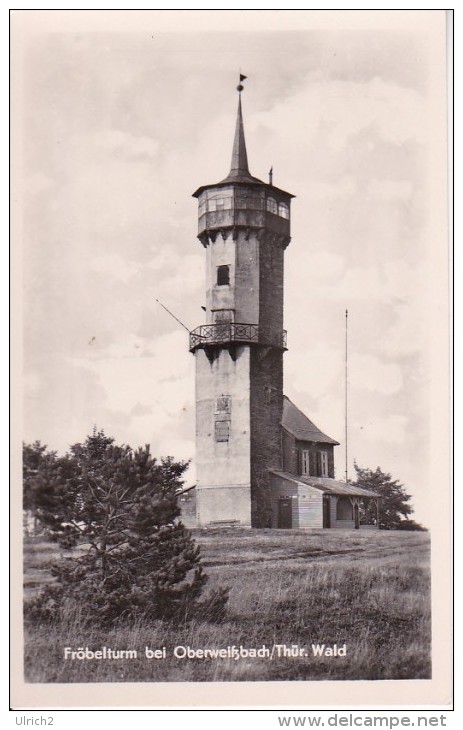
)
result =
(266, 411)
(240, 251)
(271, 276)
(267, 380)
(223, 467)
(244, 225)
(233, 480)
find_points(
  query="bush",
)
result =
(116, 508)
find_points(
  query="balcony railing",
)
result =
(225, 332)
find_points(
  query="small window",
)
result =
(223, 275)
(283, 210)
(305, 462)
(323, 464)
(222, 430)
(272, 206)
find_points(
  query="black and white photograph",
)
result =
(231, 270)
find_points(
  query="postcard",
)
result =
(230, 271)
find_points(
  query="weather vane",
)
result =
(240, 86)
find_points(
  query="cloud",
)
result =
(390, 190)
(127, 144)
(372, 374)
(315, 370)
(393, 428)
(336, 113)
(114, 266)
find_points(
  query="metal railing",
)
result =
(224, 332)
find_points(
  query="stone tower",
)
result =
(244, 225)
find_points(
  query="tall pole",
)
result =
(345, 403)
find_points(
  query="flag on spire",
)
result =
(240, 86)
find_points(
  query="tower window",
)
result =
(283, 210)
(272, 206)
(223, 275)
(214, 204)
(222, 430)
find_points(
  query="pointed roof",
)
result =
(239, 162)
(300, 426)
(239, 169)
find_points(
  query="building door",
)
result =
(326, 512)
(356, 516)
(285, 514)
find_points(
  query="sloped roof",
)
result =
(302, 427)
(327, 485)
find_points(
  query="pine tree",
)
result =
(393, 505)
(117, 509)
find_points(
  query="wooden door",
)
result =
(285, 514)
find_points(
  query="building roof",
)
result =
(239, 169)
(302, 427)
(327, 485)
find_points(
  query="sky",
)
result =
(119, 127)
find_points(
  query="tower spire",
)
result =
(239, 162)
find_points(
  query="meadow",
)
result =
(367, 590)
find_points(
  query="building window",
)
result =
(313, 463)
(323, 464)
(223, 404)
(222, 430)
(283, 210)
(223, 275)
(272, 206)
(214, 204)
(243, 202)
(305, 462)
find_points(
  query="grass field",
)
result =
(368, 590)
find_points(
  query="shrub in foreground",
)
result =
(116, 508)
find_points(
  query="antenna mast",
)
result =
(345, 403)
(173, 315)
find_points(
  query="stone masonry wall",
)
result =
(266, 411)
(267, 382)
